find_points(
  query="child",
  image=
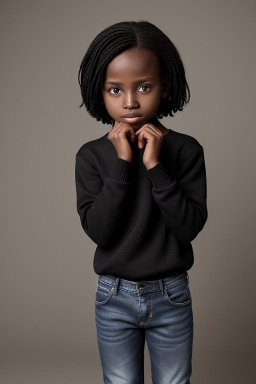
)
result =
(141, 197)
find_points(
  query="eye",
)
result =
(148, 87)
(114, 89)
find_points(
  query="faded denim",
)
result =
(159, 311)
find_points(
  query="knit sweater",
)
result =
(142, 221)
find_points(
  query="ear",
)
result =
(165, 86)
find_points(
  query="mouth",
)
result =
(131, 118)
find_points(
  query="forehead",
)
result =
(134, 62)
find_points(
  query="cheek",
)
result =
(154, 102)
(106, 101)
(110, 105)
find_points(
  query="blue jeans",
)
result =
(159, 311)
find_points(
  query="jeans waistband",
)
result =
(143, 286)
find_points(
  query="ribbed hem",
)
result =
(159, 177)
(122, 170)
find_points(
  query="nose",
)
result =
(130, 101)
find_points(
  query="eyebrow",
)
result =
(135, 82)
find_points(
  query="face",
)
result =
(133, 86)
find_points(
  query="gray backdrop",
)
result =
(48, 334)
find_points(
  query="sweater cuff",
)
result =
(159, 176)
(122, 170)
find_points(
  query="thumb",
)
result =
(132, 136)
(140, 143)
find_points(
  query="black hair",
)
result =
(114, 40)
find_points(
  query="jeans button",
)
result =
(142, 286)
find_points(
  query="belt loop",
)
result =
(161, 282)
(117, 279)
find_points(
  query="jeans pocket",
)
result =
(104, 292)
(179, 294)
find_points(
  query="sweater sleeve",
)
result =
(182, 202)
(100, 205)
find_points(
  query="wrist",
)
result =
(126, 158)
(151, 164)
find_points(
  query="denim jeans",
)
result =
(129, 312)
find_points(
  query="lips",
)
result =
(132, 115)
(131, 118)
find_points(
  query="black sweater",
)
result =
(143, 221)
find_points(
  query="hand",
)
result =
(152, 137)
(118, 137)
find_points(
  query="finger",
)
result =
(125, 129)
(131, 134)
(149, 128)
(116, 129)
(143, 136)
(128, 131)
(146, 133)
